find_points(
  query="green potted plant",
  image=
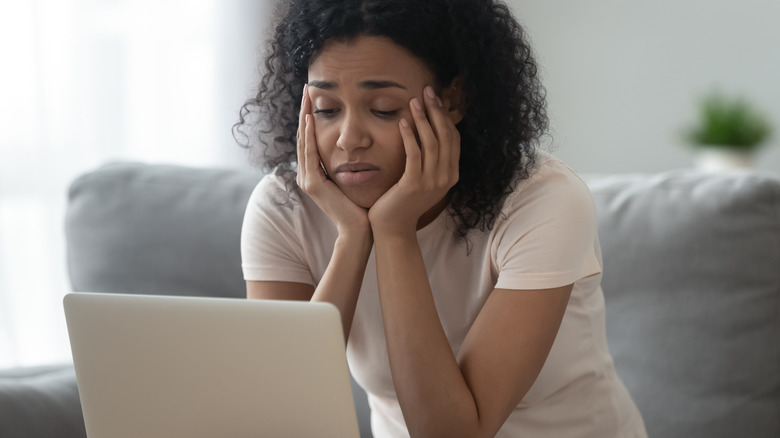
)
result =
(728, 132)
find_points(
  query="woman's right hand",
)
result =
(348, 216)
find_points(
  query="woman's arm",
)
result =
(471, 395)
(506, 347)
(340, 285)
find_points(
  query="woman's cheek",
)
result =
(391, 132)
(324, 135)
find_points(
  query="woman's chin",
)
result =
(363, 199)
(364, 202)
(365, 195)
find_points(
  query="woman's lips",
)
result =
(355, 173)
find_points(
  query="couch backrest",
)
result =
(692, 291)
(137, 228)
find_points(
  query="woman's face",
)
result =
(360, 91)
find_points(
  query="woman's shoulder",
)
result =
(278, 178)
(549, 177)
(277, 196)
(552, 189)
(277, 188)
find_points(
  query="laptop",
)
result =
(165, 366)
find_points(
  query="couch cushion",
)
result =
(692, 288)
(40, 402)
(172, 230)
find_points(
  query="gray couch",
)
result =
(692, 286)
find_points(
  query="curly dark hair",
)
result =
(478, 40)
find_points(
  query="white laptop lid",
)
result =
(158, 366)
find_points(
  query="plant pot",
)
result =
(720, 158)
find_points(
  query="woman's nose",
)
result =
(352, 134)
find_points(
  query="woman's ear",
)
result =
(454, 99)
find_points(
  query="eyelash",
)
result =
(331, 113)
(324, 112)
(386, 114)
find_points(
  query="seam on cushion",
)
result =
(775, 191)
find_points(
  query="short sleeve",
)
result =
(547, 236)
(271, 247)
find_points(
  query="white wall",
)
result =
(623, 76)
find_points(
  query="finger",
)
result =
(305, 106)
(437, 115)
(442, 127)
(312, 153)
(413, 167)
(300, 134)
(300, 172)
(428, 143)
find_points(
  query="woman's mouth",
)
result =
(355, 173)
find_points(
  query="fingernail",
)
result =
(417, 104)
(404, 123)
(429, 92)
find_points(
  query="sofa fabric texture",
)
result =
(691, 283)
(40, 402)
(692, 291)
(170, 230)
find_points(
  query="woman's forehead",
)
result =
(368, 59)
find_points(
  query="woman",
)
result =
(465, 264)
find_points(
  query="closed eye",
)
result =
(392, 113)
(325, 112)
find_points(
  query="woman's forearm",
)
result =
(433, 394)
(340, 285)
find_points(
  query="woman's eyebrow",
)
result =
(323, 85)
(367, 85)
(373, 85)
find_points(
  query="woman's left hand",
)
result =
(431, 168)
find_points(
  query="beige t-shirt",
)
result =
(546, 237)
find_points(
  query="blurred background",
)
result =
(85, 82)
(623, 77)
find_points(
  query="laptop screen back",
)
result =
(154, 366)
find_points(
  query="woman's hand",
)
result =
(431, 168)
(348, 216)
